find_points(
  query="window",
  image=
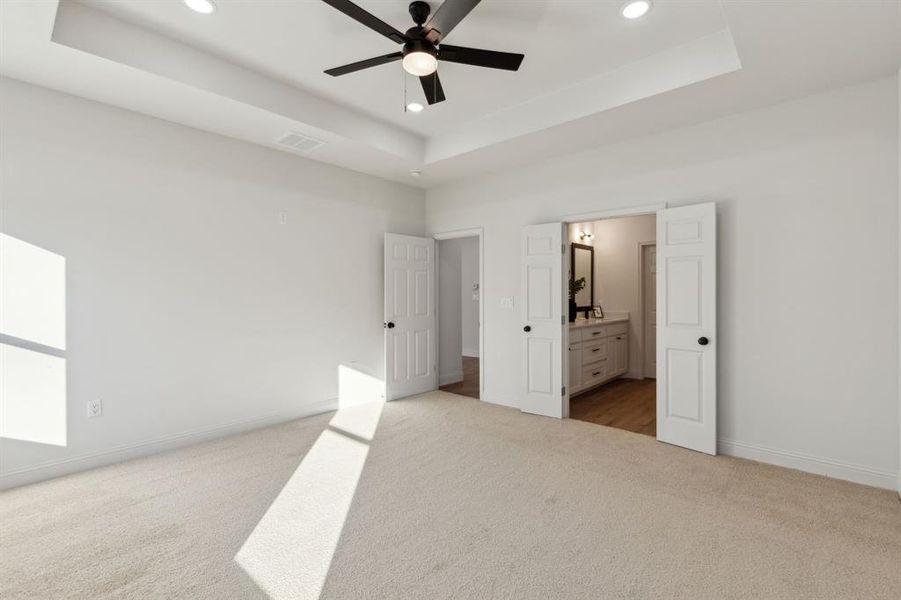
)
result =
(32, 343)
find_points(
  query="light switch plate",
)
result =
(507, 302)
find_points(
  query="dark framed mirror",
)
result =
(582, 265)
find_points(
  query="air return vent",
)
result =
(299, 142)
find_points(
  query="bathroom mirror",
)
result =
(582, 265)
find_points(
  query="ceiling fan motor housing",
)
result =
(420, 11)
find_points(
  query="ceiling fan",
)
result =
(422, 47)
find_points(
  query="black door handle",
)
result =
(389, 325)
(527, 328)
(703, 341)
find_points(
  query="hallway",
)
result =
(470, 384)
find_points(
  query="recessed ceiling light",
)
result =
(415, 172)
(635, 9)
(204, 7)
(415, 107)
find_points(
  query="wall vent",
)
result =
(299, 142)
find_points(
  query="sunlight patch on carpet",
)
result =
(290, 551)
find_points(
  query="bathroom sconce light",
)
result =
(584, 235)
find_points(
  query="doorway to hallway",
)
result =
(459, 310)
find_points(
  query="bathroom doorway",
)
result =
(459, 296)
(612, 369)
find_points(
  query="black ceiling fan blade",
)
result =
(447, 17)
(361, 16)
(364, 64)
(480, 58)
(431, 85)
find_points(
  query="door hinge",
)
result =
(563, 391)
(562, 248)
(563, 319)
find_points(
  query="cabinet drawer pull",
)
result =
(595, 373)
(595, 333)
(596, 350)
(619, 337)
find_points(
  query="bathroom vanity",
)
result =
(598, 351)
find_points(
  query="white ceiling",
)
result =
(564, 41)
(253, 70)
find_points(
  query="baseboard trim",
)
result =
(470, 353)
(448, 378)
(810, 464)
(124, 452)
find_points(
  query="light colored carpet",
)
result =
(451, 498)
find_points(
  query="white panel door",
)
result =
(410, 323)
(686, 327)
(543, 361)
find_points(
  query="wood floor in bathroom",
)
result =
(629, 404)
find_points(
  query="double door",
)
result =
(686, 326)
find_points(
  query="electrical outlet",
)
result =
(283, 218)
(507, 302)
(95, 408)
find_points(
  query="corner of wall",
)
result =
(898, 127)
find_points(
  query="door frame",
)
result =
(600, 215)
(477, 232)
(641, 299)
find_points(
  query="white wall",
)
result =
(617, 278)
(191, 310)
(807, 201)
(450, 328)
(469, 302)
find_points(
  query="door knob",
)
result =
(703, 341)
(527, 328)
(389, 325)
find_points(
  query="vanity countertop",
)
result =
(617, 318)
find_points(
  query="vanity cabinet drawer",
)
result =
(575, 335)
(594, 351)
(593, 333)
(595, 373)
(617, 329)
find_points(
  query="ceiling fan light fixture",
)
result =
(203, 7)
(635, 9)
(420, 63)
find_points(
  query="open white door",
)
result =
(686, 327)
(543, 322)
(409, 316)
